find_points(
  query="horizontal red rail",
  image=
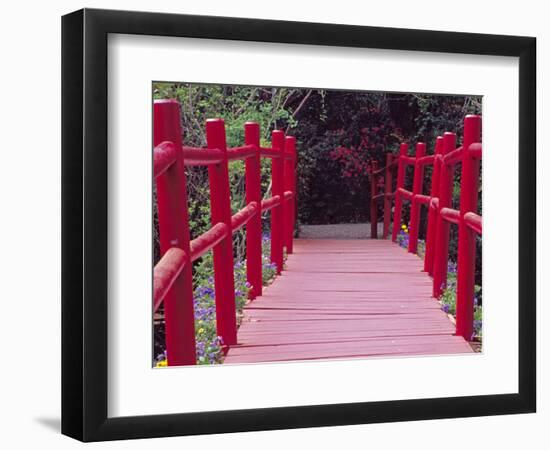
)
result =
(239, 219)
(409, 160)
(454, 157)
(164, 155)
(384, 195)
(269, 152)
(243, 152)
(426, 160)
(422, 199)
(270, 203)
(165, 273)
(404, 193)
(386, 167)
(450, 215)
(473, 221)
(196, 156)
(208, 240)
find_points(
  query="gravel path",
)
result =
(338, 231)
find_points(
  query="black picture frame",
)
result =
(84, 224)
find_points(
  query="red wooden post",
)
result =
(415, 205)
(220, 205)
(277, 186)
(388, 181)
(469, 185)
(290, 185)
(254, 226)
(174, 232)
(432, 212)
(373, 200)
(441, 256)
(403, 148)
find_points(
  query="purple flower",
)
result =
(445, 308)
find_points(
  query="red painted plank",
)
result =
(346, 299)
(359, 348)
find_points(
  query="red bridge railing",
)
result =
(173, 279)
(445, 159)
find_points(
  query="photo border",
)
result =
(84, 224)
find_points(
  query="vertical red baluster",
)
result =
(254, 226)
(174, 232)
(469, 185)
(432, 213)
(441, 256)
(290, 185)
(277, 213)
(387, 195)
(415, 205)
(220, 205)
(403, 148)
(373, 200)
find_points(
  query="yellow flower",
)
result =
(162, 363)
(200, 330)
(403, 227)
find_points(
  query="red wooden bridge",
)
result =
(335, 298)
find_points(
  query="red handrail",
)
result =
(244, 152)
(271, 203)
(473, 221)
(208, 240)
(241, 218)
(165, 156)
(440, 213)
(172, 284)
(196, 156)
(166, 272)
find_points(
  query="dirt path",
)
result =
(338, 231)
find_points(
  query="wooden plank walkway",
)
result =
(346, 299)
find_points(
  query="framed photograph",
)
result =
(273, 224)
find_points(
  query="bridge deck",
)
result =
(346, 299)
